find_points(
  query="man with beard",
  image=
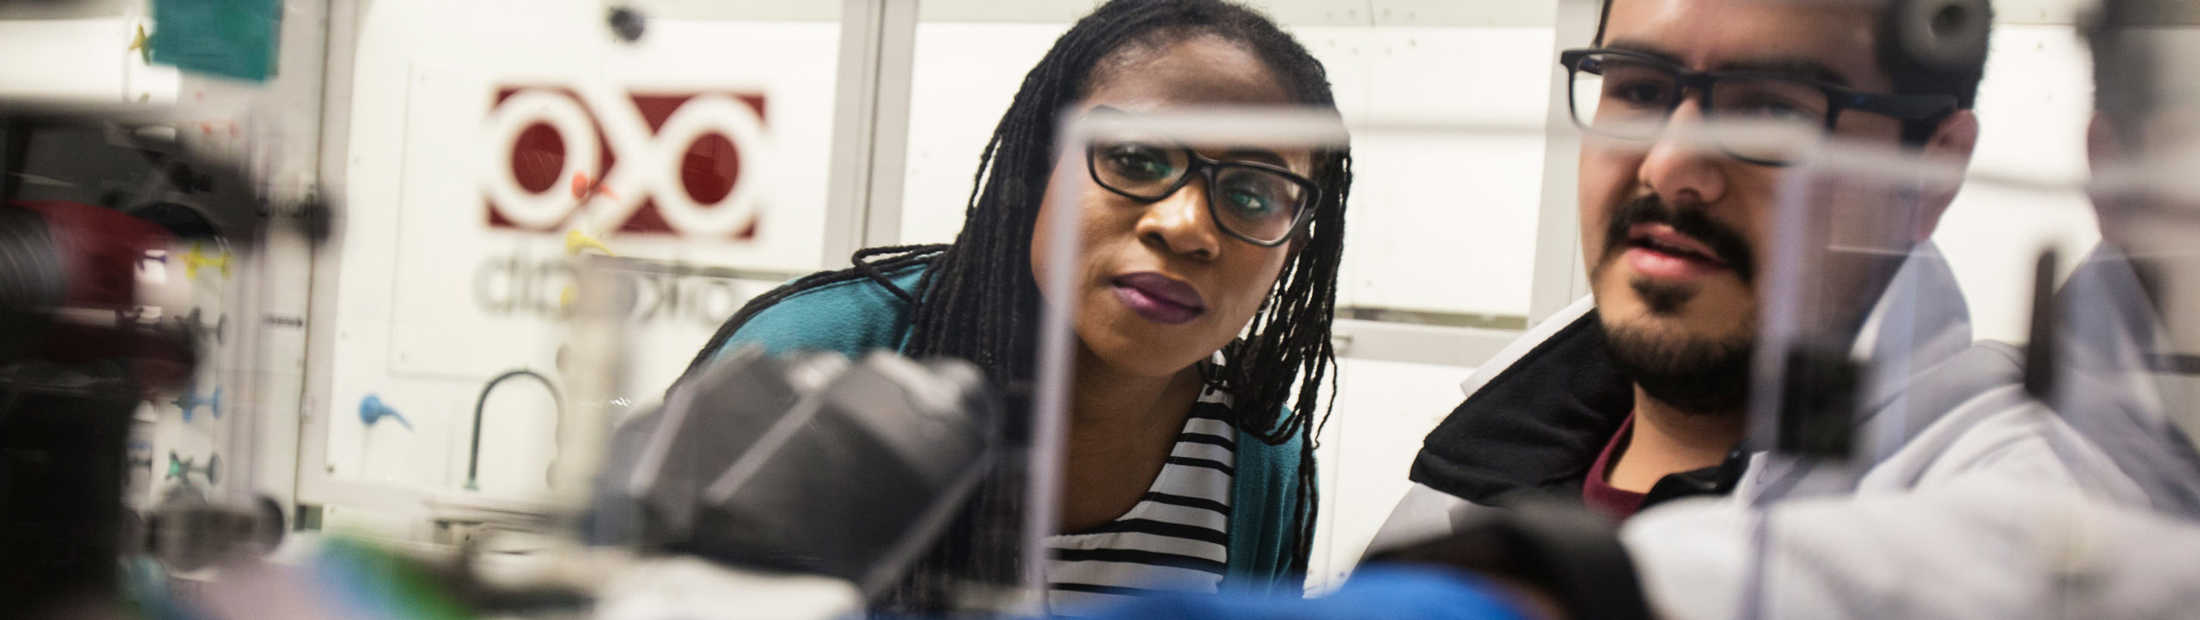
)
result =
(1637, 395)
(2124, 379)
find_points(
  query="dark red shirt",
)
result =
(1603, 497)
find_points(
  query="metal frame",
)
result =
(314, 484)
(870, 125)
(1558, 277)
(263, 446)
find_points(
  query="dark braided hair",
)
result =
(978, 301)
(980, 298)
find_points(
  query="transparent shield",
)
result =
(2125, 358)
(774, 454)
(831, 427)
(1888, 343)
(2122, 362)
(1860, 307)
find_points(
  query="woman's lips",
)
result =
(1159, 298)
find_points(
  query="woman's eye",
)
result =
(1249, 202)
(1141, 164)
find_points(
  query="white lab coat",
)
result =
(1941, 411)
(1994, 546)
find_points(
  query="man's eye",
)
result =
(1641, 92)
(1776, 109)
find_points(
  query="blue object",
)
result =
(371, 410)
(190, 402)
(857, 316)
(1374, 593)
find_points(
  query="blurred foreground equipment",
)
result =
(97, 207)
(810, 464)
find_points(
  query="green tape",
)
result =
(228, 38)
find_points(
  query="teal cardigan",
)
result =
(857, 316)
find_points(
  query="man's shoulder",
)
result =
(1970, 415)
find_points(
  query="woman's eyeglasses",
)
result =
(1262, 204)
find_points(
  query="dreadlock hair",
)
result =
(979, 301)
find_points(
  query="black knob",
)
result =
(627, 23)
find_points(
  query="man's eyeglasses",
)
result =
(1630, 95)
(1262, 204)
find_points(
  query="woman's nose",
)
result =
(1180, 223)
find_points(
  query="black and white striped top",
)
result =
(1175, 540)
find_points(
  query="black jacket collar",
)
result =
(1537, 427)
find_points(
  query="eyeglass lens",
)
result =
(1252, 202)
(1632, 98)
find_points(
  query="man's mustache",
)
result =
(1691, 220)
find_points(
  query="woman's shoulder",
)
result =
(851, 315)
(1279, 460)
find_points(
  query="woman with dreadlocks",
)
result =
(1190, 459)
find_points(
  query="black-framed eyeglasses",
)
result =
(1630, 95)
(1262, 204)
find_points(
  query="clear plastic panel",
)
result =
(1867, 334)
(1860, 371)
(2123, 356)
(2126, 316)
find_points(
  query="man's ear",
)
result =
(1952, 141)
(1956, 136)
(2102, 147)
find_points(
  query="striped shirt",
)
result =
(1175, 540)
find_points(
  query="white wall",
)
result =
(2032, 109)
(84, 59)
(417, 251)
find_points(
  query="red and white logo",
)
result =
(680, 163)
